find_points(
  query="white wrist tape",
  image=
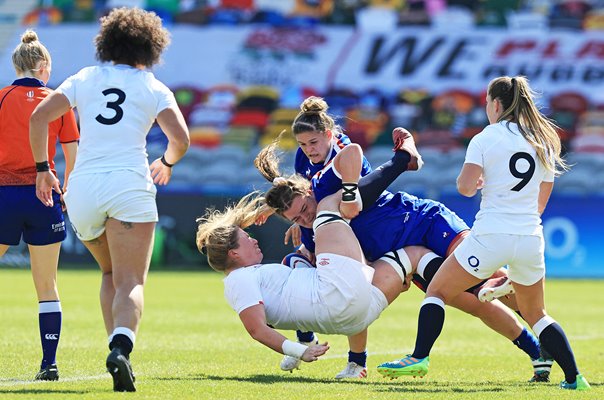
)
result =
(293, 349)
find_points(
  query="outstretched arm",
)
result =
(254, 320)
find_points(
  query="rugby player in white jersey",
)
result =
(111, 197)
(513, 161)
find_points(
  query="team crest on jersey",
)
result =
(323, 262)
(30, 95)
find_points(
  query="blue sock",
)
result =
(429, 325)
(359, 358)
(50, 318)
(528, 343)
(306, 337)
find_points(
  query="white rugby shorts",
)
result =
(349, 302)
(124, 195)
(482, 255)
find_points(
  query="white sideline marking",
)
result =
(5, 383)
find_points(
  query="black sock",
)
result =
(431, 268)
(305, 337)
(555, 342)
(373, 184)
(359, 358)
(429, 325)
(543, 353)
(123, 343)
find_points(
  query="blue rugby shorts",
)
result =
(22, 214)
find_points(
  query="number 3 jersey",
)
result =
(117, 105)
(512, 176)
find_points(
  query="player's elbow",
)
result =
(466, 189)
(255, 332)
(182, 141)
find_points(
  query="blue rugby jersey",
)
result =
(304, 167)
(394, 221)
(400, 219)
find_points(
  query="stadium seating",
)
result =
(229, 122)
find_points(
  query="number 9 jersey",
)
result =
(117, 105)
(512, 176)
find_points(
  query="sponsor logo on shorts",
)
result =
(58, 227)
(474, 262)
(323, 262)
(445, 235)
(51, 336)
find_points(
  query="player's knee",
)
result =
(399, 261)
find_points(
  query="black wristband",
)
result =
(163, 161)
(42, 166)
(349, 191)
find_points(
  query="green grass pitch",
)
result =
(191, 345)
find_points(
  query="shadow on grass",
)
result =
(386, 386)
(263, 379)
(41, 391)
(443, 387)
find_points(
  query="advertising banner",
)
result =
(327, 57)
(571, 227)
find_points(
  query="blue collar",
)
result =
(32, 82)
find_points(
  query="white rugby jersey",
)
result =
(116, 104)
(279, 288)
(512, 176)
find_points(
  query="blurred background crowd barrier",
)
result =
(241, 68)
